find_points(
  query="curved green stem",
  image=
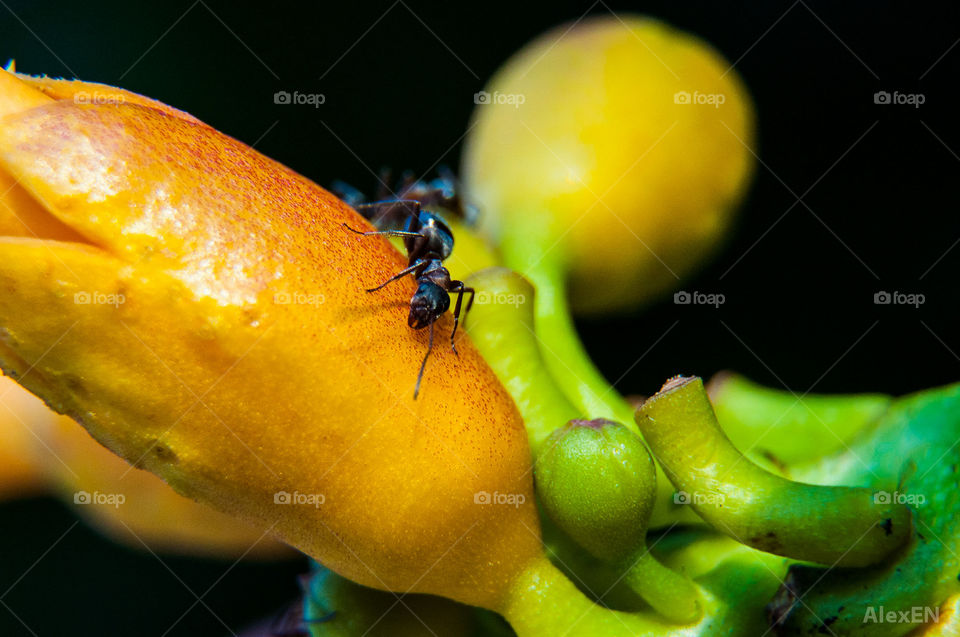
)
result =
(502, 326)
(668, 592)
(845, 526)
(564, 353)
(790, 427)
(537, 256)
(544, 602)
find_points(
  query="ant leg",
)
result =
(389, 233)
(423, 365)
(411, 206)
(399, 275)
(383, 211)
(456, 312)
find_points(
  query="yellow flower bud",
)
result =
(616, 151)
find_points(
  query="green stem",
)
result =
(564, 353)
(543, 602)
(535, 254)
(668, 592)
(503, 327)
(791, 428)
(564, 357)
(844, 526)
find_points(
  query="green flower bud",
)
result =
(597, 481)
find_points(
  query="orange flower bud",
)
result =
(212, 327)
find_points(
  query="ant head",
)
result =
(428, 303)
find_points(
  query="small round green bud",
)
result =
(597, 481)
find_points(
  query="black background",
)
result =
(399, 80)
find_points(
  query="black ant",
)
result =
(428, 241)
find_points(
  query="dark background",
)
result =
(399, 80)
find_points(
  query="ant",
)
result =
(428, 241)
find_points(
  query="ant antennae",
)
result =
(423, 365)
(352, 229)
